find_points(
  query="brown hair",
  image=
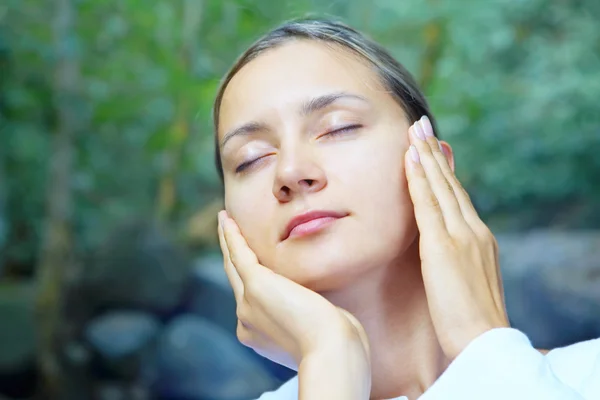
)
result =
(394, 76)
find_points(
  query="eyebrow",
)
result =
(309, 107)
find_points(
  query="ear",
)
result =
(448, 153)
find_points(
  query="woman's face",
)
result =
(306, 128)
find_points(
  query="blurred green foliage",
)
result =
(514, 84)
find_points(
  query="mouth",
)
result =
(310, 222)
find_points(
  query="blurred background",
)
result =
(110, 276)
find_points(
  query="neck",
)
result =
(391, 304)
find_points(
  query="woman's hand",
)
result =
(294, 326)
(459, 253)
(278, 318)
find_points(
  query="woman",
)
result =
(354, 254)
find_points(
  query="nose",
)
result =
(297, 175)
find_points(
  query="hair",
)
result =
(394, 77)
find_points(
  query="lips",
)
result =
(310, 222)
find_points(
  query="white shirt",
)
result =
(501, 364)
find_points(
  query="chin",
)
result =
(325, 268)
(326, 277)
(335, 259)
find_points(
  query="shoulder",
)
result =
(578, 365)
(287, 391)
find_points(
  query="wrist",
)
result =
(343, 344)
(464, 337)
(339, 370)
(345, 334)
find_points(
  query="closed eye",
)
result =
(342, 130)
(243, 166)
(251, 163)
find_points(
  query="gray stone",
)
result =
(211, 294)
(552, 285)
(197, 359)
(139, 266)
(121, 333)
(121, 391)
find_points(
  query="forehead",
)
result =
(281, 78)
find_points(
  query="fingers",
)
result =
(234, 278)
(462, 197)
(428, 214)
(433, 195)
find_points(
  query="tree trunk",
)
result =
(180, 131)
(57, 247)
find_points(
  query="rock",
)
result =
(211, 295)
(552, 285)
(124, 342)
(199, 360)
(139, 266)
(121, 333)
(120, 391)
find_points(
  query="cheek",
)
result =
(251, 211)
(373, 169)
(384, 198)
(374, 182)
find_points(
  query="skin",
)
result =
(350, 171)
(369, 286)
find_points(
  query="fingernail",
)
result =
(427, 128)
(414, 154)
(220, 217)
(417, 131)
(441, 148)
